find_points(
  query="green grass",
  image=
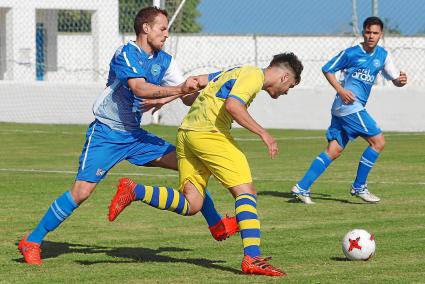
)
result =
(144, 245)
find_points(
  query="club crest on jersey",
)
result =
(155, 69)
(364, 75)
(376, 63)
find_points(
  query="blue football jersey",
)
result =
(117, 106)
(359, 71)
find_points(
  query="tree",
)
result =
(186, 21)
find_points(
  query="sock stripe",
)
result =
(140, 192)
(247, 196)
(162, 196)
(249, 224)
(250, 233)
(170, 197)
(251, 242)
(246, 216)
(181, 204)
(155, 197)
(148, 194)
(56, 215)
(246, 207)
(245, 201)
(59, 210)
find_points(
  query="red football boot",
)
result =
(31, 251)
(123, 197)
(224, 228)
(260, 266)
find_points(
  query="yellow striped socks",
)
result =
(164, 198)
(246, 215)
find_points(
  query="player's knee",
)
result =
(82, 190)
(378, 145)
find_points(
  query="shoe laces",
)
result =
(263, 263)
(362, 190)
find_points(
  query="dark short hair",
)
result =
(288, 60)
(373, 21)
(147, 15)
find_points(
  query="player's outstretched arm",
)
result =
(146, 90)
(401, 80)
(346, 95)
(239, 113)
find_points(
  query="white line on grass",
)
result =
(9, 131)
(175, 175)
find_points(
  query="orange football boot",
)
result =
(260, 266)
(122, 198)
(224, 228)
(31, 251)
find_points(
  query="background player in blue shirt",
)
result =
(360, 66)
(138, 70)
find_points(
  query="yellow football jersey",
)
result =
(208, 112)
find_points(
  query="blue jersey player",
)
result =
(139, 70)
(360, 66)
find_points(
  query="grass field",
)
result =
(144, 245)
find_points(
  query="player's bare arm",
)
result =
(401, 80)
(241, 115)
(347, 96)
(146, 90)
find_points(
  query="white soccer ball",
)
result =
(358, 244)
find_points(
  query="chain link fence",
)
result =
(206, 35)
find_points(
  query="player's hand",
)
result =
(402, 78)
(191, 85)
(155, 104)
(347, 96)
(271, 144)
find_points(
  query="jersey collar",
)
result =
(144, 53)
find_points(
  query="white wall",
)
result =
(397, 109)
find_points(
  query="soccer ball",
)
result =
(358, 244)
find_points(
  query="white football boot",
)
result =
(364, 194)
(302, 195)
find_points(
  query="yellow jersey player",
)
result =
(205, 147)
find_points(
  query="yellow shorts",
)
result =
(201, 154)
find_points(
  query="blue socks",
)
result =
(208, 210)
(60, 209)
(366, 163)
(317, 167)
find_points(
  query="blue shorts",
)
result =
(349, 127)
(105, 147)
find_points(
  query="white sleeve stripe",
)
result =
(128, 62)
(336, 61)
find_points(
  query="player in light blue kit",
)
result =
(360, 66)
(139, 70)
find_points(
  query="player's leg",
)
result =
(58, 212)
(220, 227)
(246, 214)
(165, 198)
(102, 150)
(373, 135)
(337, 142)
(230, 167)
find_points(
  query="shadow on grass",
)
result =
(126, 255)
(314, 196)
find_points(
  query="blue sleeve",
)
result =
(127, 66)
(337, 63)
(213, 75)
